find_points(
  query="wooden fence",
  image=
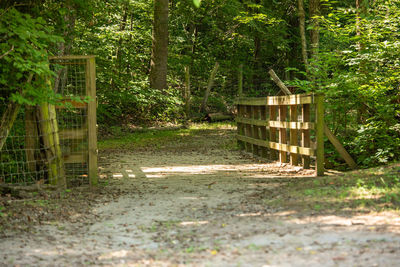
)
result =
(289, 128)
(76, 82)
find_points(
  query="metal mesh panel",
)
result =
(48, 143)
(72, 118)
(26, 156)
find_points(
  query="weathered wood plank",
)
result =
(252, 101)
(71, 57)
(252, 141)
(292, 125)
(290, 100)
(340, 148)
(292, 149)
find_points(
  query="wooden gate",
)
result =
(76, 82)
(280, 127)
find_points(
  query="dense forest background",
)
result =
(348, 50)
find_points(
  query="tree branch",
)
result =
(8, 52)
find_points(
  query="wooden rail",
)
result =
(281, 127)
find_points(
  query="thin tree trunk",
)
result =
(117, 61)
(209, 86)
(8, 118)
(187, 93)
(314, 34)
(302, 23)
(159, 54)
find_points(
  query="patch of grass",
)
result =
(375, 189)
(158, 137)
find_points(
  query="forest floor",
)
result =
(191, 199)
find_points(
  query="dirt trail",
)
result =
(191, 204)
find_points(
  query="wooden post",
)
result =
(240, 126)
(305, 134)
(61, 179)
(240, 108)
(282, 133)
(319, 127)
(272, 131)
(263, 129)
(248, 130)
(49, 134)
(255, 134)
(293, 135)
(92, 123)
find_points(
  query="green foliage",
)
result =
(23, 52)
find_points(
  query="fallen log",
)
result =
(214, 117)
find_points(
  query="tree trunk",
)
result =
(302, 23)
(187, 94)
(8, 118)
(209, 86)
(314, 34)
(159, 54)
(7, 121)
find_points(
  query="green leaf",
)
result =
(197, 3)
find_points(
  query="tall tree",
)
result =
(315, 11)
(159, 53)
(302, 19)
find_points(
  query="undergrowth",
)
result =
(375, 189)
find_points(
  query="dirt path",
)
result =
(196, 203)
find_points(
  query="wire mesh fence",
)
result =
(55, 144)
(30, 154)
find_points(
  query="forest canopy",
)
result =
(348, 50)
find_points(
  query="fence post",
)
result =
(293, 135)
(305, 134)
(92, 124)
(272, 131)
(282, 132)
(319, 127)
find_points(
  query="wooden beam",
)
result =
(319, 127)
(290, 100)
(340, 148)
(256, 122)
(92, 124)
(305, 134)
(292, 125)
(71, 57)
(278, 82)
(252, 141)
(252, 101)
